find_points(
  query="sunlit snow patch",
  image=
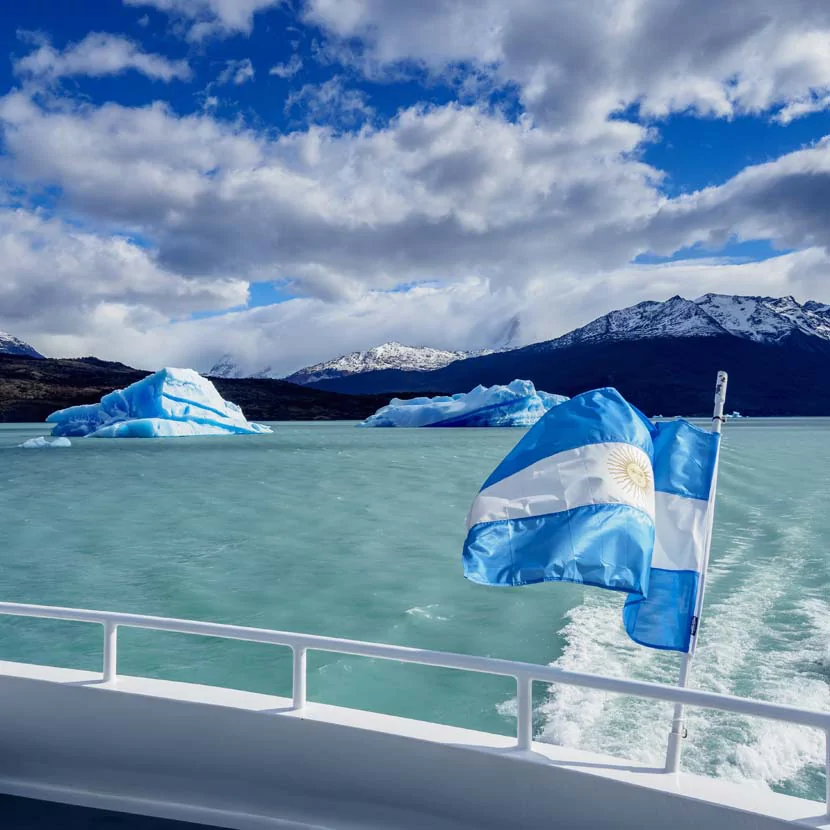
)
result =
(168, 403)
(518, 404)
(40, 442)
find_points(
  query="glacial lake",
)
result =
(329, 529)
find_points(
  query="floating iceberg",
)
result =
(518, 404)
(167, 403)
(40, 441)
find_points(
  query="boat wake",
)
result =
(740, 653)
(765, 634)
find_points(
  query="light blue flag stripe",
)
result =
(664, 619)
(596, 417)
(684, 459)
(606, 545)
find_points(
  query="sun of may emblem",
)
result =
(630, 471)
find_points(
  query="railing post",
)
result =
(827, 772)
(678, 724)
(299, 676)
(676, 736)
(110, 651)
(524, 712)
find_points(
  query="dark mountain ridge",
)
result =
(31, 388)
(660, 375)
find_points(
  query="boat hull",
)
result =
(236, 759)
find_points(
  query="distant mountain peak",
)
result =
(675, 317)
(391, 355)
(766, 319)
(13, 345)
(227, 367)
(509, 336)
(761, 319)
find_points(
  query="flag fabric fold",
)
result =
(595, 493)
(685, 459)
(573, 501)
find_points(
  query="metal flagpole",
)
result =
(678, 729)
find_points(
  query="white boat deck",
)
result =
(227, 758)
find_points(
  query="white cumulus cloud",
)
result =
(468, 314)
(439, 193)
(236, 72)
(331, 103)
(211, 18)
(58, 279)
(287, 70)
(446, 193)
(578, 62)
(98, 54)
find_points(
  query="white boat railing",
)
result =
(525, 674)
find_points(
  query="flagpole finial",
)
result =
(720, 399)
(720, 385)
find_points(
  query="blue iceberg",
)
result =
(168, 403)
(519, 404)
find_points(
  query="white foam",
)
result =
(797, 676)
(426, 612)
(740, 653)
(598, 721)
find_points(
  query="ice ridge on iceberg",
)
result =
(519, 404)
(41, 443)
(168, 403)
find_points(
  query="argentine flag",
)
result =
(596, 493)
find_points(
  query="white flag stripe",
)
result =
(610, 473)
(681, 527)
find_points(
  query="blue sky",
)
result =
(286, 181)
(261, 101)
(703, 152)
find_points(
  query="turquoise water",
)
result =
(329, 529)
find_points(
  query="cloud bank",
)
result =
(442, 222)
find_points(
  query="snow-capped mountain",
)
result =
(676, 317)
(227, 367)
(391, 355)
(761, 319)
(661, 355)
(386, 356)
(13, 345)
(766, 319)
